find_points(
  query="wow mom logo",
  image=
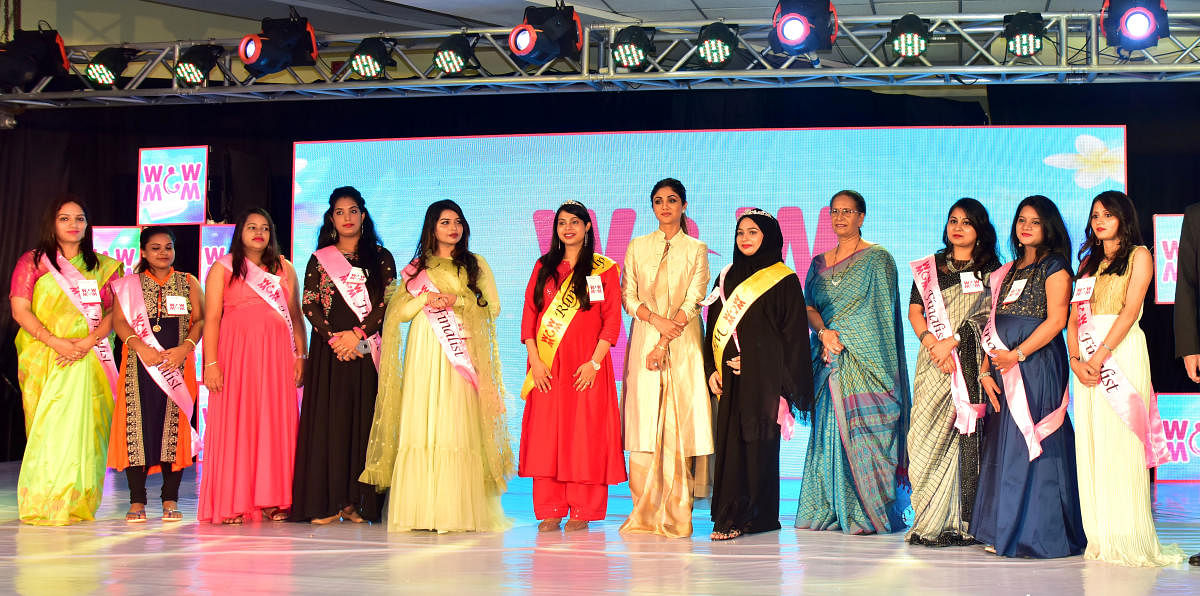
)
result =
(172, 185)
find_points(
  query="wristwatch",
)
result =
(1020, 355)
(595, 365)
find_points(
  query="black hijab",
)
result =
(768, 253)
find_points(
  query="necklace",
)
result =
(837, 276)
(954, 265)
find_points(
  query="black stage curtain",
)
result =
(92, 152)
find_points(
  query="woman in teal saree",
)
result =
(856, 453)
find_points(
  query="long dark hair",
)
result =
(149, 232)
(461, 256)
(1055, 238)
(583, 265)
(48, 240)
(1128, 232)
(984, 252)
(369, 242)
(676, 186)
(237, 250)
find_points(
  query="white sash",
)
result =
(67, 280)
(268, 287)
(446, 325)
(133, 305)
(966, 414)
(354, 293)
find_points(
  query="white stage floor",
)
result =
(110, 556)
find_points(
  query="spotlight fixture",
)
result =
(32, 55)
(454, 54)
(280, 44)
(803, 26)
(106, 67)
(547, 33)
(909, 36)
(371, 57)
(633, 46)
(1134, 24)
(1024, 32)
(196, 62)
(716, 43)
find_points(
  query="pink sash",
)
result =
(267, 287)
(68, 279)
(1125, 401)
(354, 293)
(446, 326)
(966, 414)
(133, 305)
(1014, 384)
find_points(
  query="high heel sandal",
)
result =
(351, 515)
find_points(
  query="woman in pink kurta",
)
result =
(251, 368)
(571, 429)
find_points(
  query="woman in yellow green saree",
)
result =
(61, 298)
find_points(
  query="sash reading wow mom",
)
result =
(352, 288)
(267, 287)
(68, 279)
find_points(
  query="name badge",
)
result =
(1014, 292)
(970, 283)
(1084, 289)
(177, 305)
(356, 276)
(89, 292)
(595, 288)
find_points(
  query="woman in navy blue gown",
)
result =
(1028, 499)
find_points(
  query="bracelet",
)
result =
(819, 332)
(921, 336)
(987, 374)
(663, 348)
(208, 364)
(1105, 346)
(131, 336)
(1076, 358)
(189, 340)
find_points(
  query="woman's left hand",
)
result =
(584, 376)
(735, 365)
(940, 351)
(173, 358)
(656, 358)
(1003, 359)
(1096, 362)
(300, 371)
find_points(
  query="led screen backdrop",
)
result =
(1166, 256)
(122, 243)
(172, 185)
(510, 186)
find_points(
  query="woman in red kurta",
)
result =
(571, 429)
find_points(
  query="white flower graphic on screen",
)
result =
(1093, 163)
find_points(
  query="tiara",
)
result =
(757, 212)
(572, 202)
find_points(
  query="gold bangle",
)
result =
(131, 336)
(189, 340)
(208, 364)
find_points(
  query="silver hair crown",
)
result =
(572, 202)
(758, 212)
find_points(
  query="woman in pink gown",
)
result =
(251, 368)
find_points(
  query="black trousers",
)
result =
(137, 483)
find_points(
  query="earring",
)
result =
(976, 243)
(1019, 245)
(332, 235)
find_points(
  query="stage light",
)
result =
(716, 43)
(280, 44)
(196, 62)
(371, 57)
(107, 66)
(1024, 32)
(32, 55)
(546, 33)
(1134, 24)
(803, 26)
(909, 36)
(454, 54)
(633, 46)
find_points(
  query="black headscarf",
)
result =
(768, 253)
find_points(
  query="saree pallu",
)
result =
(67, 411)
(856, 452)
(943, 463)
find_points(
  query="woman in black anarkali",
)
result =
(339, 393)
(774, 362)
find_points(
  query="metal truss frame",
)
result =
(965, 50)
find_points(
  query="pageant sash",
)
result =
(354, 293)
(751, 289)
(1123, 398)
(268, 287)
(128, 290)
(558, 317)
(68, 279)
(966, 414)
(1014, 385)
(446, 325)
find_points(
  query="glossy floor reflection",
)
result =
(110, 556)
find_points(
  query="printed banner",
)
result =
(1166, 256)
(172, 185)
(1180, 414)
(119, 242)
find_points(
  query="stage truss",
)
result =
(965, 50)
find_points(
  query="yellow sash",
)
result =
(751, 289)
(558, 317)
